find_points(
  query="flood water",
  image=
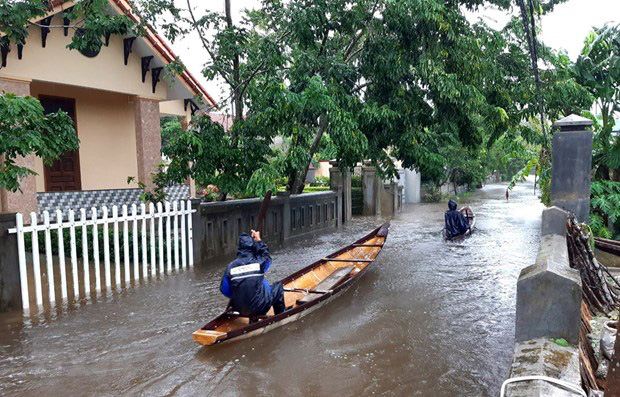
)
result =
(430, 318)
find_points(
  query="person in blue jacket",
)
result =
(456, 222)
(244, 280)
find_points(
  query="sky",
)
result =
(565, 28)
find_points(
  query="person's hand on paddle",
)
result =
(255, 235)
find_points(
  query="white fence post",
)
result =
(94, 217)
(190, 235)
(168, 242)
(21, 251)
(177, 233)
(74, 269)
(48, 257)
(126, 246)
(134, 230)
(183, 243)
(36, 266)
(61, 255)
(143, 231)
(152, 228)
(161, 236)
(85, 263)
(106, 248)
(117, 253)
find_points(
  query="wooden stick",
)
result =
(306, 291)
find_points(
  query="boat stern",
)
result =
(207, 337)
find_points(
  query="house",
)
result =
(116, 97)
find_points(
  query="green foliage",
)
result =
(313, 189)
(356, 181)
(605, 209)
(560, 342)
(433, 194)
(598, 69)
(233, 161)
(25, 129)
(157, 193)
(320, 181)
(90, 19)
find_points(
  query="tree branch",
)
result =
(205, 44)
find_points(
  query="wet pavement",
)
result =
(431, 318)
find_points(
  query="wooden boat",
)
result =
(305, 291)
(471, 218)
(609, 246)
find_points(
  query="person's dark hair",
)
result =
(452, 205)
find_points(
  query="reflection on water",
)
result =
(431, 319)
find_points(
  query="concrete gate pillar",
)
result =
(148, 138)
(412, 187)
(572, 165)
(340, 181)
(24, 201)
(372, 189)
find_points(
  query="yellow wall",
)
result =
(175, 108)
(56, 63)
(106, 128)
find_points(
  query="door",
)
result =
(64, 174)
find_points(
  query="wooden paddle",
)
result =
(262, 212)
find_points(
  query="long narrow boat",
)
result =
(305, 291)
(471, 218)
(609, 246)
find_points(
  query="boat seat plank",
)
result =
(348, 260)
(334, 278)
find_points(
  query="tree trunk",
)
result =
(236, 98)
(297, 181)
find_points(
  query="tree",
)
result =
(598, 69)
(382, 79)
(24, 130)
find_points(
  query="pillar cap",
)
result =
(573, 123)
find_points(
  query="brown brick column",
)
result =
(26, 200)
(148, 138)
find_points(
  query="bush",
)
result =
(356, 181)
(320, 181)
(433, 195)
(312, 189)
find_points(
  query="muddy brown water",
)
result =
(431, 318)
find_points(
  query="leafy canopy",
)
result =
(24, 130)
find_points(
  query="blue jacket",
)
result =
(456, 222)
(244, 282)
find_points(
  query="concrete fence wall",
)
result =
(289, 217)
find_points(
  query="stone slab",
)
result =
(549, 295)
(543, 357)
(554, 221)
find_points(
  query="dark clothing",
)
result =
(244, 282)
(456, 222)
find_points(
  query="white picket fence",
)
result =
(170, 223)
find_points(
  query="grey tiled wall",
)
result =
(65, 201)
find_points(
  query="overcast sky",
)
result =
(565, 28)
